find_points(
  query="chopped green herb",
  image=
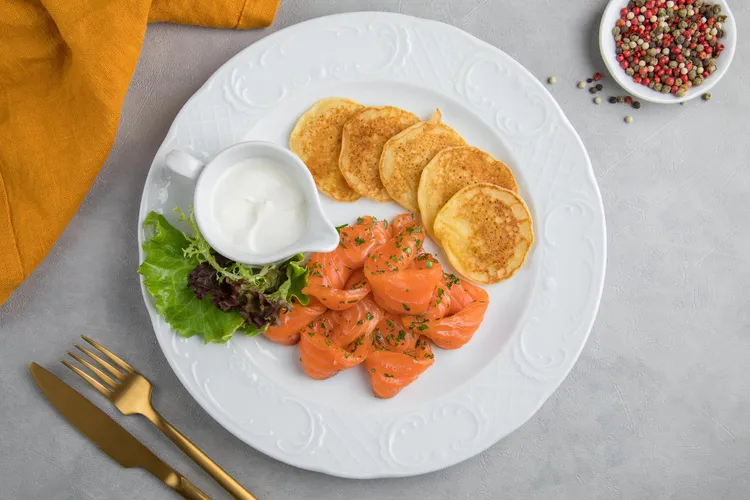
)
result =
(369, 316)
(406, 307)
(422, 327)
(359, 241)
(339, 228)
(387, 375)
(360, 220)
(428, 265)
(360, 322)
(451, 280)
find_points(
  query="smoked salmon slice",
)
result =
(402, 278)
(400, 222)
(438, 308)
(321, 357)
(460, 297)
(352, 323)
(391, 335)
(292, 321)
(330, 273)
(339, 299)
(391, 371)
(456, 330)
(357, 241)
(327, 270)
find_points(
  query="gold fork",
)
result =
(131, 394)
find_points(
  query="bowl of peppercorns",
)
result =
(667, 51)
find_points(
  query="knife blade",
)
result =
(108, 435)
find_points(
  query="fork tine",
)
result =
(122, 364)
(107, 379)
(88, 378)
(114, 371)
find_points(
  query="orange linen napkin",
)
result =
(65, 66)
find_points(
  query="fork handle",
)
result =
(212, 468)
(188, 490)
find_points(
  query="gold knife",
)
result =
(108, 435)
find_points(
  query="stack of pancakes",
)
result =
(468, 200)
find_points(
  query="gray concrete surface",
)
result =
(657, 407)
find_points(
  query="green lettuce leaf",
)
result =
(296, 280)
(166, 269)
(252, 330)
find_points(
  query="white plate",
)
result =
(538, 321)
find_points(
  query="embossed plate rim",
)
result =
(477, 399)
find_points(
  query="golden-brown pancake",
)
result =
(316, 139)
(453, 169)
(406, 154)
(362, 143)
(486, 232)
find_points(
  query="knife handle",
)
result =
(180, 485)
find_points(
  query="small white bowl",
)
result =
(607, 48)
(319, 235)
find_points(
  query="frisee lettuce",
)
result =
(170, 258)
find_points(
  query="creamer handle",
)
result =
(184, 164)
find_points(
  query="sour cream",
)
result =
(258, 207)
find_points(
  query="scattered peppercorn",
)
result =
(599, 86)
(669, 45)
(597, 76)
(628, 119)
(628, 100)
(597, 100)
(636, 104)
(613, 100)
(621, 99)
(707, 96)
(589, 80)
(552, 80)
(592, 90)
(581, 85)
